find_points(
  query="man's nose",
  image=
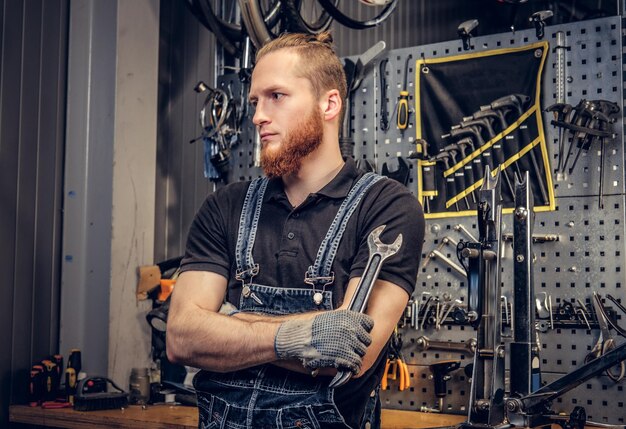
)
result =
(260, 116)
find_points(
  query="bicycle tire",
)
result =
(228, 33)
(203, 11)
(347, 21)
(296, 22)
(253, 18)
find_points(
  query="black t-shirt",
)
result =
(288, 239)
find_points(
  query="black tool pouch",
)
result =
(483, 110)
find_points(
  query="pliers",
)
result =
(605, 343)
(396, 367)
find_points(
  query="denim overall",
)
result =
(266, 396)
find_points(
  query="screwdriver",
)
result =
(403, 99)
(74, 365)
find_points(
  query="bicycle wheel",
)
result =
(306, 16)
(358, 24)
(226, 31)
(262, 19)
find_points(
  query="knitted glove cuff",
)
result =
(291, 337)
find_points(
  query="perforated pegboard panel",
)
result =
(590, 252)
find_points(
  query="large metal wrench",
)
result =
(424, 343)
(379, 251)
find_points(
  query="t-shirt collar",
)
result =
(338, 187)
(342, 182)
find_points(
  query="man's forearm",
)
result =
(208, 340)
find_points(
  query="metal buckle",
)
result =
(312, 280)
(244, 275)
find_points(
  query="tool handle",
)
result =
(403, 110)
(358, 302)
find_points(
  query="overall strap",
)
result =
(320, 272)
(248, 224)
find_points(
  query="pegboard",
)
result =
(589, 254)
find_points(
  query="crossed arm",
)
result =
(199, 336)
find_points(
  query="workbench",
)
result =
(182, 417)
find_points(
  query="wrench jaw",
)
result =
(376, 246)
(340, 379)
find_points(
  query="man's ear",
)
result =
(332, 104)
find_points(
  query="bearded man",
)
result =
(285, 253)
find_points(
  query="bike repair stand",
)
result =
(486, 406)
(528, 405)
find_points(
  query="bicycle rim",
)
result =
(261, 19)
(306, 16)
(227, 34)
(356, 24)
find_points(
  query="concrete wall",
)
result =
(110, 182)
(134, 173)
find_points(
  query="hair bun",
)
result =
(325, 37)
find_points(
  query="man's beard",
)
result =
(303, 139)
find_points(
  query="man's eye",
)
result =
(277, 95)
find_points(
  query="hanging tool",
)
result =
(466, 146)
(441, 375)
(597, 128)
(427, 306)
(496, 149)
(464, 31)
(401, 174)
(462, 229)
(539, 20)
(476, 138)
(451, 191)
(590, 123)
(577, 119)
(494, 119)
(446, 309)
(424, 343)
(403, 99)
(613, 322)
(454, 150)
(384, 113)
(355, 71)
(561, 112)
(560, 65)
(436, 254)
(397, 364)
(605, 342)
(516, 103)
(378, 253)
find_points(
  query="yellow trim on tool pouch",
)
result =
(534, 109)
(488, 53)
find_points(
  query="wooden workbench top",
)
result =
(181, 417)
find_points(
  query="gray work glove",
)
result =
(336, 339)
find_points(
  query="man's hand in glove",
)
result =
(336, 339)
